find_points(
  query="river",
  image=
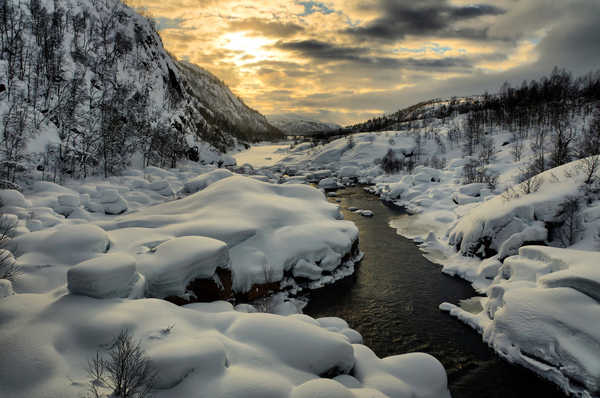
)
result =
(393, 299)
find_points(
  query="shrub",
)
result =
(390, 164)
(126, 371)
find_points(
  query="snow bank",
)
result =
(217, 354)
(266, 227)
(541, 312)
(349, 158)
(507, 221)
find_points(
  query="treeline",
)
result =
(558, 117)
(510, 107)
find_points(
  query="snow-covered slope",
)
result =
(293, 124)
(93, 80)
(220, 106)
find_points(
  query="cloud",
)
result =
(347, 60)
(266, 28)
(400, 18)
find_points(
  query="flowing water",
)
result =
(393, 302)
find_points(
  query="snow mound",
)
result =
(112, 202)
(202, 181)
(13, 198)
(220, 354)
(111, 275)
(172, 265)
(65, 244)
(265, 226)
(6, 288)
(505, 222)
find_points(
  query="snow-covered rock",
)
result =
(65, 244)
(516, 217)
(6, 288)
(13, 198)
(172, 265)
(263, 225)
(112, 202)
(329, 183)
(108, 276)
(202, 181)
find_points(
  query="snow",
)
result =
(539, 302)
(6, 288)
(541, 311)
(172, 265)
(87, 276)
(261, 155)
(507, 222)
(111, 275)
(202, 181)
(196, 349)
(13, 198)
(257, 221)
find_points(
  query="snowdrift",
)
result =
(47, 340)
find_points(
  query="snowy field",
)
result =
(261, 155)
(97, 257)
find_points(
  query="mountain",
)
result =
(87, 86)
(217, 104)
(294, 124)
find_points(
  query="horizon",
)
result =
(348, 61)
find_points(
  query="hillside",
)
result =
(293, 124)
(88, 87)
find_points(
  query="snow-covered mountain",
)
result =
(294, 124)
(218, 105)
(90, 85)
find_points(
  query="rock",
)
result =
(329, 183)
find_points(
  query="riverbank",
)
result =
(393, 302)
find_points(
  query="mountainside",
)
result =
(293, 124)
(88, 86)
(219, 106)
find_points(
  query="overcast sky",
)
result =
(348, 60)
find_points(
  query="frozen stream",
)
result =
(393, 302)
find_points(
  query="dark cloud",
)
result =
(323, 51)
(430, 17)
(266, 28)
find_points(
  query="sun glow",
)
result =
(248, 48)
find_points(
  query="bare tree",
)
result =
(127, 371)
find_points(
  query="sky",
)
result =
(346, 61)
